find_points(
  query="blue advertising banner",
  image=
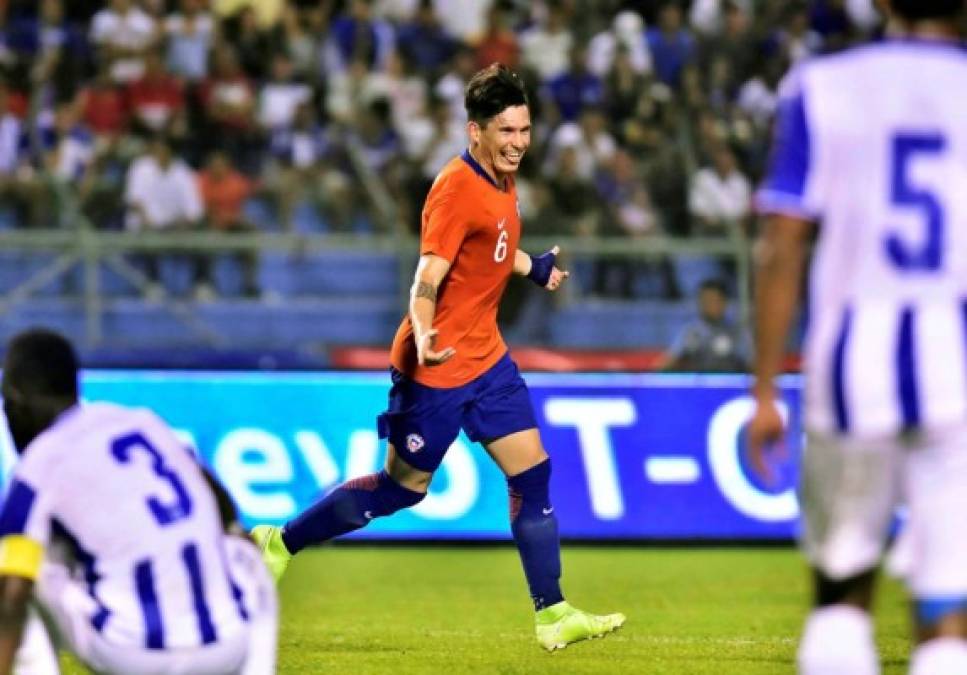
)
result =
(634, 456)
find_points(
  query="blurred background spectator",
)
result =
(652, 118)
(713, 342)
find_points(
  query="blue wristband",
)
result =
(541, 268)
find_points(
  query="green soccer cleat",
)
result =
(559, 625)
(274, 552)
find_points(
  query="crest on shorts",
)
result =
(414, 442)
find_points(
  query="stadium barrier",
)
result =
(62, 252)
(634, 456)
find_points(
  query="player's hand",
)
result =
(545, 272)
(425, 353)
(765, 432)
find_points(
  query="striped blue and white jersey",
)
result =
(872, 143)
(124, 493)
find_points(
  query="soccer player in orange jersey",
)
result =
(452, 370)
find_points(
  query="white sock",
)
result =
(940, 656)
(838, 640)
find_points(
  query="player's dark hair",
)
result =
(40, 362)
(928, 9)
(491, 91)
(714, 285)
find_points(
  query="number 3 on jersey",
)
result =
(500, 253)
(928, 256)
(165, 513)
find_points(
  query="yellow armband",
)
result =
(20, 556)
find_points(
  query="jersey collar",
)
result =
(479, 170)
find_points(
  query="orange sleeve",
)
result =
(445, 224)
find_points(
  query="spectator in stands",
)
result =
(671, 45)
(356, 35)
(191, 33)
(798, 41)
(626, 35)
(50, 48)
(379, 144)
(450, 87)
(298, 43)
(252, 44)
(70, 147)
(546, 46)
(19, 187)
(712, 342)
(265, 12)
(707, 16)
(424, 42)
(576, 88)
(281, 96)
(499, 42)
(223, 192)
(734, 44)
(593, 144)
(297, 159)
(103, 106)
(157, 100)
(161, 194)
(229, 99)
(720, 195)
(123, 34)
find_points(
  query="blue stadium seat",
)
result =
(360, 320)
(611, 324)
(8, 219)
(324, 273)
(16, 267)
(228, 275)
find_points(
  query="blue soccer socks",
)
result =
(348, 507)
(534, 526)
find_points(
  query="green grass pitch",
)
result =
(413, 610)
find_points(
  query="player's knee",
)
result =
(529, 491)
(393, 496)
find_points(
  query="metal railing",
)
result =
(90, 249)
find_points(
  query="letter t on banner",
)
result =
(593, 417)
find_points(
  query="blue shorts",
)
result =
(422, 422)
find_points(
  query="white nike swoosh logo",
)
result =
(547, 512)
(368, 515)
(501, 224)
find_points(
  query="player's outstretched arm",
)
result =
(15, 593)
(430, 272)
(780, 258)
(541, 269)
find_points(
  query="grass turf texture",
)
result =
(409, 610)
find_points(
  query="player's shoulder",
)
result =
(455, 174)
(886, 58)
(457, 178)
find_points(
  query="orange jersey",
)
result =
(475, 225)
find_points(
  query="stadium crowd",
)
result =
(649, 116)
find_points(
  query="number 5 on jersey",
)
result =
(928, 257)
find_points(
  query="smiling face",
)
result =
(500, 144)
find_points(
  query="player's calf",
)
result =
(348, 507)
(534, 527)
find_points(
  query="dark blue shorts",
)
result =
(422, 422)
